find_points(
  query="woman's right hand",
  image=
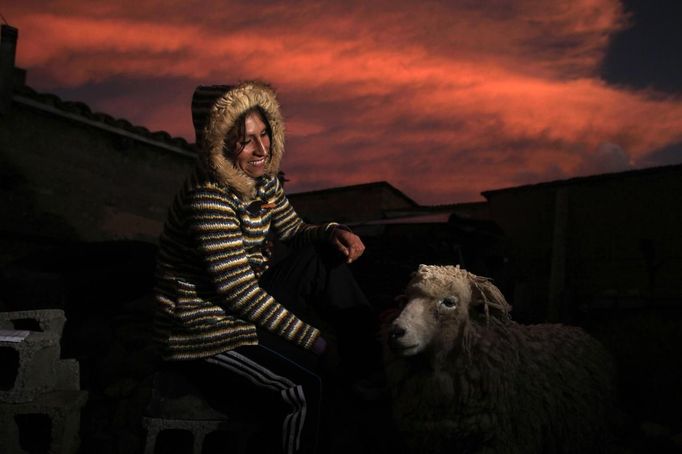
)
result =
(348, 243)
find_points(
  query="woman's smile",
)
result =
(257, 162)
(254, 148)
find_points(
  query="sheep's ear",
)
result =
(488, 297)
(420, 271)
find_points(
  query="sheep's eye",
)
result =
(450, 302)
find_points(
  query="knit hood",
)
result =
(223, 106)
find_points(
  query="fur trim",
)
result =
(222, 117)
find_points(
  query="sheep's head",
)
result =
(440, 304)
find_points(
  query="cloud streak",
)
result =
(442, 101)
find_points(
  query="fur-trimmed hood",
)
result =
(226, 105)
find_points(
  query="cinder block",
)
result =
(178, 416)
(49, 321)
(68, 375)
(198, 430)
(48, 424)
(31, 367)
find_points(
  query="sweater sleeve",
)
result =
(291, 228)
(213, 224)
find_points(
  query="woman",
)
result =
(222, 301)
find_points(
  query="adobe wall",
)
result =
(65, 180)
(619, 234)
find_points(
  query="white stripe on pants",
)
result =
(291, 393)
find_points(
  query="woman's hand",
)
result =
(348, 243)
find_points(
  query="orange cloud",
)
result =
(443, 100)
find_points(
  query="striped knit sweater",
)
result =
(211, 254)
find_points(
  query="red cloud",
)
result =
(442, 100)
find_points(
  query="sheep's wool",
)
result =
(484, 383)
(441, 281)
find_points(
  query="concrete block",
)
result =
(29, 367)
(47, 321)
(68, 375)
(32, 366)
(198, 430)
(49, 424)
(177, 415)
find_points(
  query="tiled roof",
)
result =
(80, 111)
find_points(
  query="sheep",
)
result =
(463, 377)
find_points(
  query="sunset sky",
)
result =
(443, 99)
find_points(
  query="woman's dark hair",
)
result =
(238, 131)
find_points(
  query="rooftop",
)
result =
(81, 112)
(588, 179)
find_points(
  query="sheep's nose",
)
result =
(396, 332)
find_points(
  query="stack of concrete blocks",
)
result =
(40, 396)
(189, 414)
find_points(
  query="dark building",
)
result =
(603, 241)
(400, 234)
(70, 174)
(351, 204)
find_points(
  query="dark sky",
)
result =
(647, 54)
(442, 99)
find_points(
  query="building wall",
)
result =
(350, 206)
(64, 180)
(625, 236)
(604, 241)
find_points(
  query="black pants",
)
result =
(316, 285)
(284, 382)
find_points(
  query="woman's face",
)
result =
(254, 148)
